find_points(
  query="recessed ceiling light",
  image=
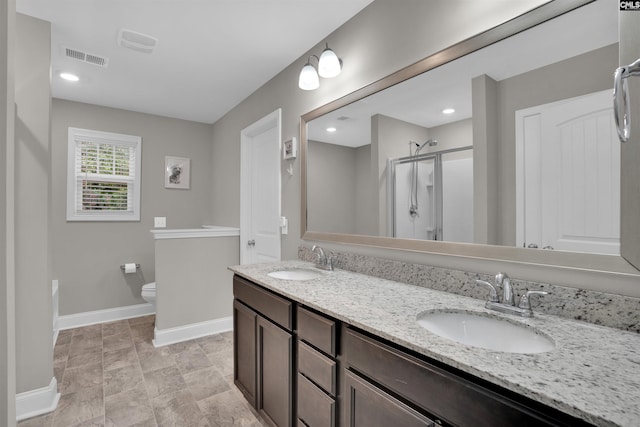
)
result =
(448, 111)
(69, 77)
(331, 129)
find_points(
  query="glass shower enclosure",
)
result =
(431, 195)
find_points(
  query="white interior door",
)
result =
(568, 162)
(260, 188)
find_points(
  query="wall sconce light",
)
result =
(329, 65)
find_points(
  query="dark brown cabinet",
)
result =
(275, 389)
(263, 351)
(244, 350)
(299, 367)
(317, 368)
(367, 405)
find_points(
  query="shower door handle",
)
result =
(621, 99)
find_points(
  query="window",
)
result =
(103, 176)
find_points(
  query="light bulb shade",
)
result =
(329, 64)
(309, 79)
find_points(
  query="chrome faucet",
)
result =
(507, 291)
(508, 304)
(323, 261)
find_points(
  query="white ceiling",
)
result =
(211, 54)
(421, 100)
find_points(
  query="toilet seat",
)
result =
(149, 293)
(149, 287)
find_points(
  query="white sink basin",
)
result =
(295, 274)
(482, 331)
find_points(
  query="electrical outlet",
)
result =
(160, 222)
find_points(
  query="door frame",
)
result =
(270, 121)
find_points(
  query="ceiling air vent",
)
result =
(137, 41)
(90, 58)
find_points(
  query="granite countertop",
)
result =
(593, 373)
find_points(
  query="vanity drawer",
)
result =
(317, 367)
(317, 330)
(315, 408)
(455, 399)
(271, 306)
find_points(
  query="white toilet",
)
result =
(149, 293)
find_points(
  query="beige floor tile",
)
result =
(83, 377)
(117, 342)
(119, 358)
(82, 342)
(223, 361)
(88, 356)
(122, 379)
(205, 383)
(112, 375)
(128, 408)
(226, 409)
(191, 360)
(78, 407)
(178, 409)
(142, 332)
(213, 343)
(61, 352)
(41, 421)
(152, 359)
(164, 381)
(142, 320)
(115, 328)
(64, 337)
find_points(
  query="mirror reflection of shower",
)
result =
(431, 194)
(413, 196)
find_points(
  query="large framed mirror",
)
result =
(526, 168)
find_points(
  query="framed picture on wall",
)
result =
(177, 172)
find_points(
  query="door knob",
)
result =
(251, 242)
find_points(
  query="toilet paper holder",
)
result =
(122, 266)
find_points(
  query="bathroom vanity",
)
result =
(345, 349)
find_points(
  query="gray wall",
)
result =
(389, 139)
(7, 286)
(91, 279)
(366, 219)
(34, 325)
(332, 173)
(193, 283)
(378, 41)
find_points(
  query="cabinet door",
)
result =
(275, 371)
(367, 406)
(244, 350)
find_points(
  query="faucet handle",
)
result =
(330, 259)
(493, 293)
(525, 298)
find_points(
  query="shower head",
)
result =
(430, 142)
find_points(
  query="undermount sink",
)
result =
(486, 332)
(295, 274)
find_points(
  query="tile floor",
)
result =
(111, 375)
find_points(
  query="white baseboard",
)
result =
(37, 402)
(100, 316)
(188, 332)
